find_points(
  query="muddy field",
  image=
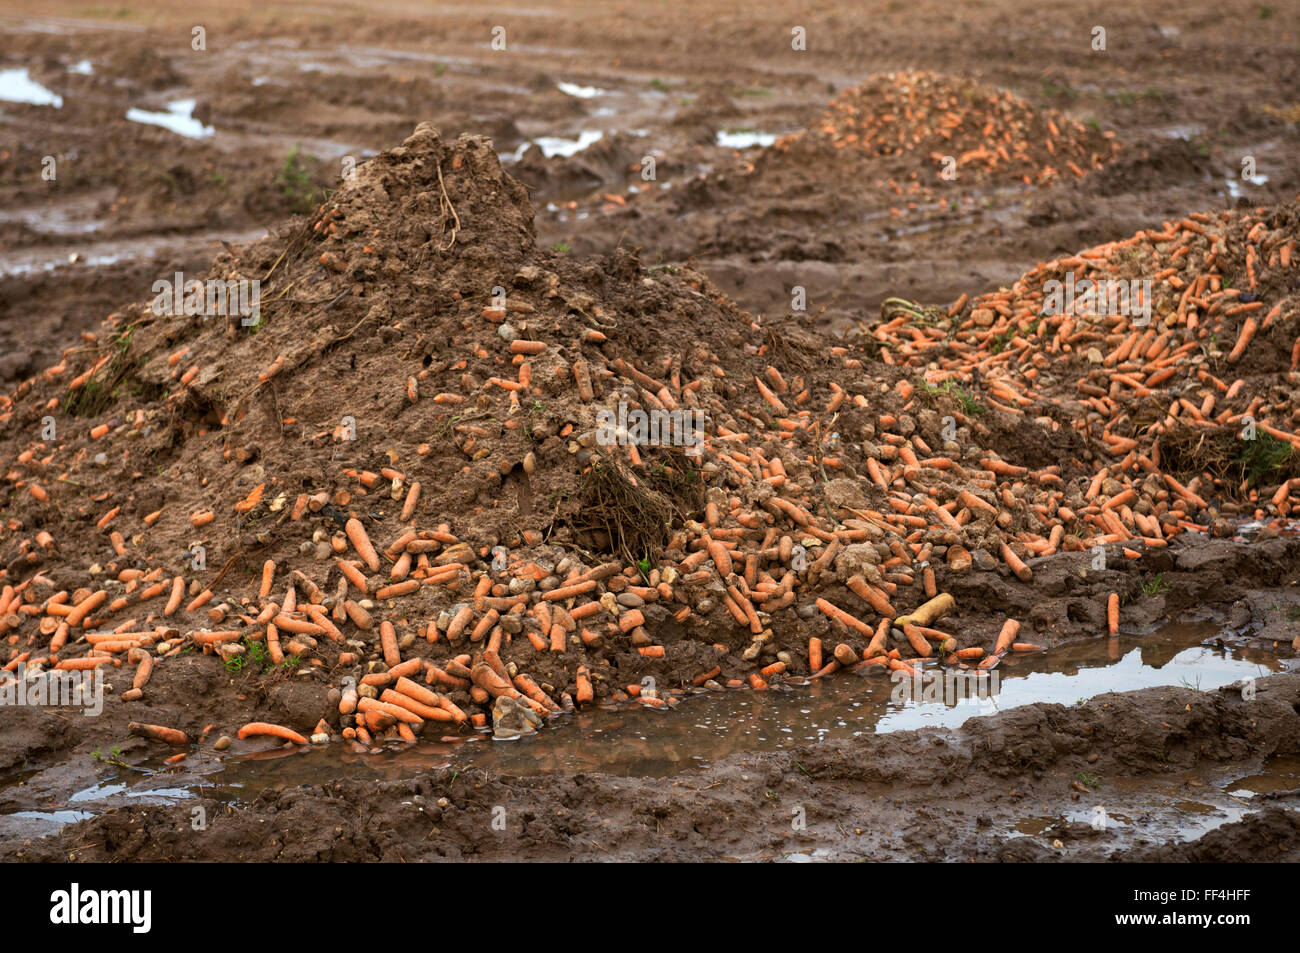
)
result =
(378, 517)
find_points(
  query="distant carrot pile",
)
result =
(986, 132)
(445, 527)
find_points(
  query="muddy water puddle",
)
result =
(1183, 806)
(708, 727)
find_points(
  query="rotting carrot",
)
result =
(259, 728)
(171, 736)
(357, 535)
(1010, 629)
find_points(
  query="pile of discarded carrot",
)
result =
(963, 130)
(835, 503)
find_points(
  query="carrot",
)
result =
(565, 592)
(1023, 572)
(85, 607)
(584, 695)
(274, 731)
(1244, 336)
(397, 712)
(268, 578)
(356, 534)
(929, 612)
(412, 498)
(415, 706)
(917, 640)
(1112, 614)
(171, 736)
(494, 684)
(720, 556)
(852, 622)
(871, 595)
(83, 664)
(1010, 628)
(388, 640)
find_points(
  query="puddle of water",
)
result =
(711, 726)
(635, 742)
(1280, 774)
(178, 118)
(552, 146)
(1185, 131)
(82, 805)
(82, 68)
(17, 86)
(582, 92)
(1234, 183)
(744, 138)
(47, 258)
(72, 216)
(56, 818)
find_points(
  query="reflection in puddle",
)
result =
(744, 138)
(582, 92)
(178, 118)
(98, 254)
(556, 146)
(1280, 774)
(1234, 183)
(17, 86)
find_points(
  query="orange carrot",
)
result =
(356, 533)
(273, 731)
(1008, 635)
(171, 736)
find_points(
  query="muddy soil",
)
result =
(1160, 775)
(1187, 93)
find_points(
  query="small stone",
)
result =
(222, 743)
